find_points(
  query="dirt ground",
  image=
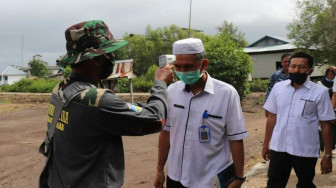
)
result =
(22, 129)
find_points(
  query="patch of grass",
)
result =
(5, 102)
(260, 100)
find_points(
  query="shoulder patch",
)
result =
(92, 96)
(58, 86)
(134, 108)
(55, 90)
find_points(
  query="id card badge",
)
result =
(204, 134)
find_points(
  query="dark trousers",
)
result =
(173, 184)
(281, 164)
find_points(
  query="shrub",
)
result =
(32, 86)
(258, 85)
(123, 85)
(150, 72)
(43, 86)
(228, 62)
(140, 84)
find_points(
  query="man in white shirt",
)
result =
(296, 107)
(205, 125)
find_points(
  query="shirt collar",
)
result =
(306, 84)
(209, 84)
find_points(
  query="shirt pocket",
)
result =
(177, 115)
(309, 110)
(216, 124)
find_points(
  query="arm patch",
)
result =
(134, 108)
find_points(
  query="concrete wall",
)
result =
(264, 64)
(53, 71)
(12, 79)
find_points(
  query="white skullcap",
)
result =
(188, 46)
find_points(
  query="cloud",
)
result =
(42, 23)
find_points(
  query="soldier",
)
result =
(83, 145)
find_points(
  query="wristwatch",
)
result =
(328, 156)
(239, 178)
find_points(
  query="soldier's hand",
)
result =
(332, 67)
(165, 74)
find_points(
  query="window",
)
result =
(6, 78)
(278, 65)
(0, 78)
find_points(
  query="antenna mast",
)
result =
(22, 50)
(189, 19)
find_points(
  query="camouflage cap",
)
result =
(87, 40)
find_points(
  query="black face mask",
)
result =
(105, 70)
(298, 78)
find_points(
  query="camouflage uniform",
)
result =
(87, 149)
(276, 77)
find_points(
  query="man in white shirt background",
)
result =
(205, 125)
(296, 107)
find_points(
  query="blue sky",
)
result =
(42, 22)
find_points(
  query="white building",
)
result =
(10, 74)
(266, 56)
(54, 70)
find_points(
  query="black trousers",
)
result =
(173, 184)
(281, 164)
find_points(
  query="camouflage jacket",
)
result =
(276, 77)
(87, 148)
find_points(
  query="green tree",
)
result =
(227, 28)
(38, 69)
(146, 49)
(315, 28)
(140, 50)
(228, 62)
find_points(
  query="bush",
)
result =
(150, 72)
(140, 84)
(228, 62)
(258, 85)
(31, 86)
(43, 86)
(123, 85)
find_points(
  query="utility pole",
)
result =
(189, 19)
(22, 50)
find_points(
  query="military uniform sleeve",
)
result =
(121, 118)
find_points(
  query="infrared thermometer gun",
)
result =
(166, 59)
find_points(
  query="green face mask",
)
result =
(189, 77)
